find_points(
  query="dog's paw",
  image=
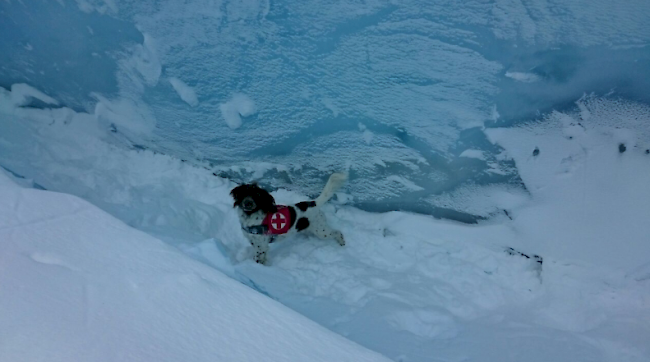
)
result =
(340, 239)
(260, 258)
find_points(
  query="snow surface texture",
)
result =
(408, 286)
(417, 75)
(79, 285)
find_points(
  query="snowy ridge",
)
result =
(408, 286)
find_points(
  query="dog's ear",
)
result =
(239, 193)
(265, 201)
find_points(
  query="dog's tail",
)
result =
(334, 183)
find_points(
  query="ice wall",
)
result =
(397, 93)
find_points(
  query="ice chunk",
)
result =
(239, 105)
(184, 91)
(21, 94)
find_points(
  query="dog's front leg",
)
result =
(260, 247)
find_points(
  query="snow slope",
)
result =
(78, 285)
(408, 286)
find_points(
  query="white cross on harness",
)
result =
(278, 221)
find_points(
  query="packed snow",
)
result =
(408, 286)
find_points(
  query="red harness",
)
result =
(278, 222)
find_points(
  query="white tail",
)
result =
(334, 183)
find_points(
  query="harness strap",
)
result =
(256, 229)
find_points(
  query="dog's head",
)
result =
(252, 198)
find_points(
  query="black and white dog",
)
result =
(263, 221)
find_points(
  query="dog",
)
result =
(263, 221)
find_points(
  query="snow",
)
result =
(128, 116)
(523, 77)
(184, 91)
(365, 133)
(408, 286)
(101, 6)
(21, 95)
(404, 182)
(240, 105)
(78, 284)
(477, 154)
(528, 120)
(145, 61)
(483, 201)
(588, 194)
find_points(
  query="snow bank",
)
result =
(588, 172)
(77, 284)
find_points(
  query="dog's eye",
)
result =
(248, 204)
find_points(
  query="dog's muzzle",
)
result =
(248, 204)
